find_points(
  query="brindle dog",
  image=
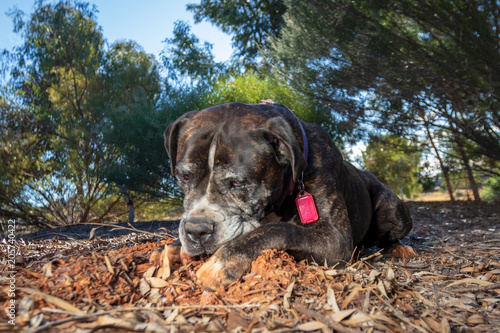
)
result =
(242, 167)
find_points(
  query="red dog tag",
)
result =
(306, 207)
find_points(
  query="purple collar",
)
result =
(306, 144)
(305, 153)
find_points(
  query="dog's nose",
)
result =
(199, 230)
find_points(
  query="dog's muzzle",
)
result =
(200, 231)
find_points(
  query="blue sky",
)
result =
(148, 22)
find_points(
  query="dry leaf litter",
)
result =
(105, 284)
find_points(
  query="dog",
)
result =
(255, 177)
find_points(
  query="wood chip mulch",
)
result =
(107, 285)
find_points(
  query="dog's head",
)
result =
(234, 163)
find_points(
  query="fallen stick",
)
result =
(475, 289)
(376, 254)
(130, 229)
(53, 300)
(58, 322)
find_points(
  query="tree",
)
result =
(444, 168)
(21, 146)
(137, 113)
(492, 189)
(250, 88)
(440, 57)
(128, 91)
(249, 22)
(191, 67)
(395, 162)
(96, 112)
(187, 60)
(56, 69)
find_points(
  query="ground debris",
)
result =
(452, 285)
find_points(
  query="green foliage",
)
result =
(98, 114)
(426, 177)
(395, 162)
(249, 22)
(21, 148)
(187, 60)
(251, 88)
(435, 58)
(133, 125)
(82, 122)
(492, 189)
(56, 70)
(307, 55)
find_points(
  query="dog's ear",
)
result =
(287, 147)
(171, 136)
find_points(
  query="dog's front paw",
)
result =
(173, 252)
(402, 251)
(222, 269)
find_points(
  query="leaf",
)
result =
(53, 300)
(92, 232)
(390, 274)
(155, 282)
(288, 294)
(170, 318)
(36, 320)
(311, 326)
(235, 320)
(476, 319)
(445, 326)
(150, 272)
(47, 269)
(357, 318)
(432, 323)
(373, 274)
(351, 296)
(166, 265)
(155, 296)
(108, 264)
(330, 294)
(382, 289)
(339, 316)
(469, 269)
(466, 303)
(25, 309)
(144, 287)
(469, 280)
(436, 277)
(116, 322)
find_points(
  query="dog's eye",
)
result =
(238, 184)
(183, 177)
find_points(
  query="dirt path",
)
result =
(68, 283)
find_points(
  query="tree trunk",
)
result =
(444, 169)
(131, 210)
(468, 169)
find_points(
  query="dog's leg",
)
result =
(391, 219)
(402, 251)
(234, 259)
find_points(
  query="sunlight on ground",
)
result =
(443, 196)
